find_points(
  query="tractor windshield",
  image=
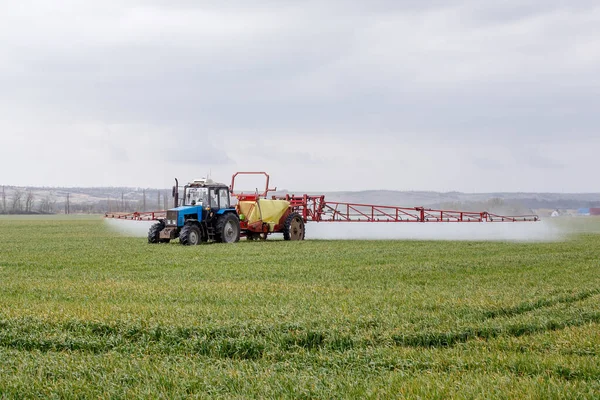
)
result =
(195, 196)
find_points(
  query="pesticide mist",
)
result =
(542, 231)
(129, 228)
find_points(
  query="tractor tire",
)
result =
(293, 227)
(154, 232)
(190, 235)
(228, 229)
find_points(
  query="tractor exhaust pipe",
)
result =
(176, 194)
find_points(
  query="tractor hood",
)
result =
(186, 208)
(178, 216)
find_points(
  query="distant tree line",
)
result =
(23, 201)
(17, 200)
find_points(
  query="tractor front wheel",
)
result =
(154, 232)
(228, 228)
(293, 227)
(190, 235)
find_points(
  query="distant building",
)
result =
(583, 211)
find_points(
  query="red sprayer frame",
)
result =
(316, 209)
(256, 194)
(138, 215)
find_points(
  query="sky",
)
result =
(326, 95)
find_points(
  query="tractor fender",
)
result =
(226, 211)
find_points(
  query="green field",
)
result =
(87, 313)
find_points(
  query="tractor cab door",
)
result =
(219, 198)
(224, 198)
(213, 198)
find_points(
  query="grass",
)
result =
(87, 313)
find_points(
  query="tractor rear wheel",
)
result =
(190, 235)
(154, 232)
(293, 227)
(228, 229)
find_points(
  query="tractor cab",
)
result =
(203, 214)
(207, 194)
(202, 199)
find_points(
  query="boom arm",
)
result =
(316, 208)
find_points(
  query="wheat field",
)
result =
(86, 313)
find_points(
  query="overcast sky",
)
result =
(464, 95)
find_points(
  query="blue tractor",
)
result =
(205, 214)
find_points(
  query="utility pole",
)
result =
(158, 202)
(67, 205)
(122, 202)
(3, 201)
(144, 201)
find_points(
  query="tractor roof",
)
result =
(204, 183)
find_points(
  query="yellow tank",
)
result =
(267, 211)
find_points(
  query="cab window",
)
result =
(214, 200)
(223, 198)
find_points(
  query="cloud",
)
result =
(486, 163)
(534, 158)
(198, 151)
(350, 87)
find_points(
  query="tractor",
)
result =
(205, 214)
